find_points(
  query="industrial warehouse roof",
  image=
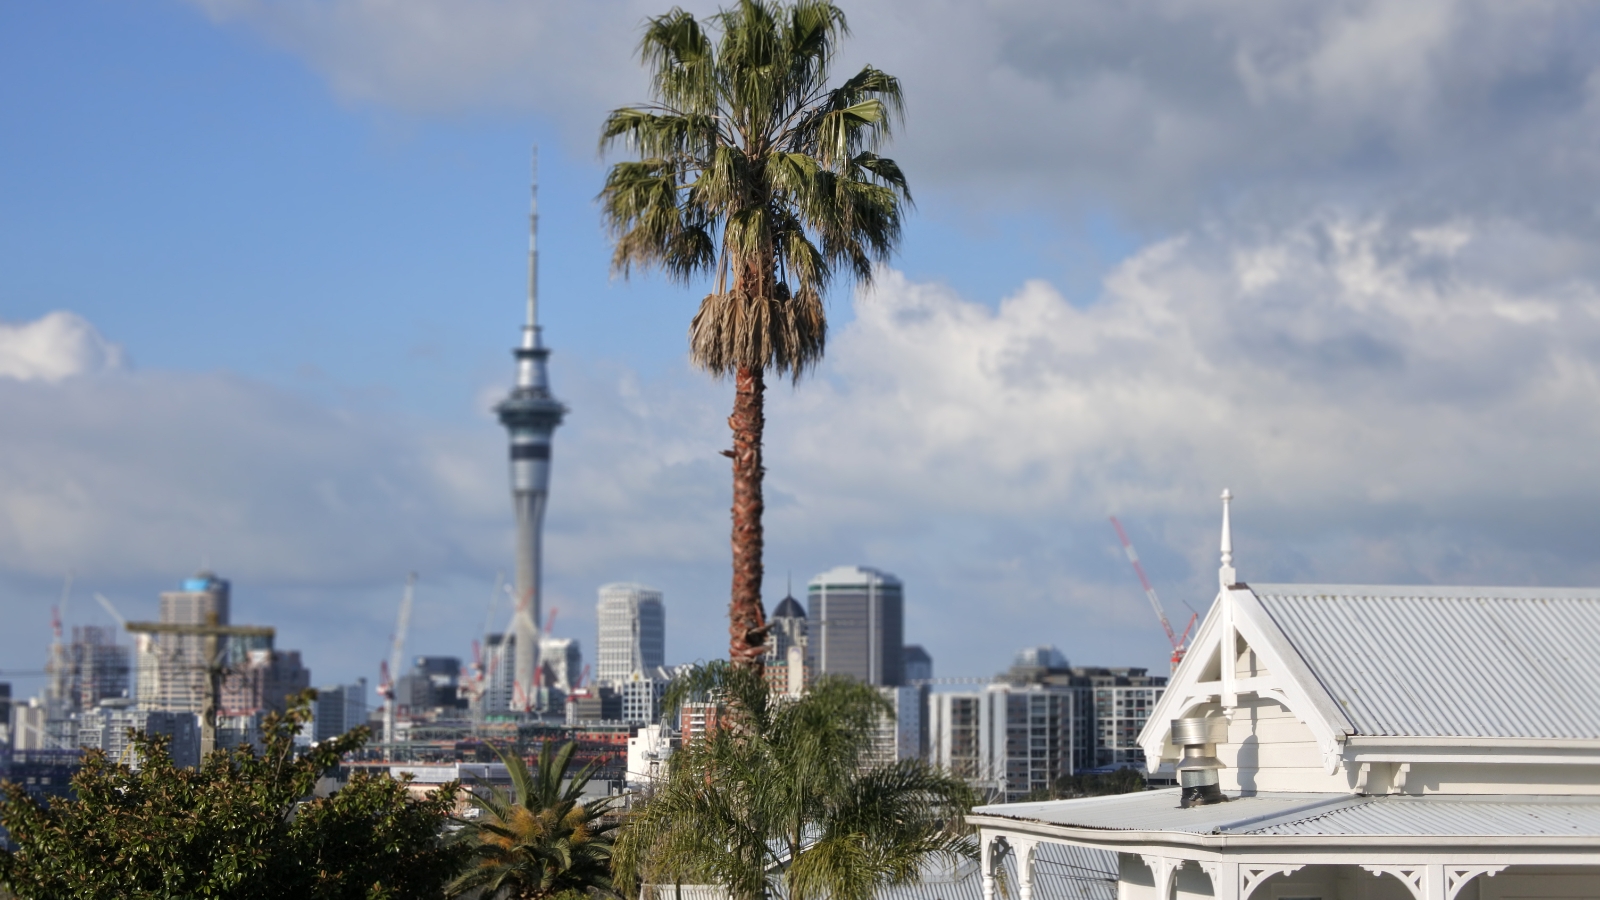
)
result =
(1449, 661)
(1323, 815)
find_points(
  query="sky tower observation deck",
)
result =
(530, 415)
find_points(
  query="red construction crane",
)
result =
(1180, 643)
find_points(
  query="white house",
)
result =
(1365, 743)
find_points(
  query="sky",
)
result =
(262, 263)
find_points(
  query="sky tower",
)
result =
(530, 415)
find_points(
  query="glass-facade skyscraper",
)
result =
(856, 625)
(633, 633)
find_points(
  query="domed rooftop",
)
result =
(789, 609)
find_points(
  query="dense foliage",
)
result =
(539, 840)
(789, 789)
(243, 825)
(755, 172)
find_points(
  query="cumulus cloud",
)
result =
(1389, 401)
(1154, 108)
(55, 346)
(451, 56)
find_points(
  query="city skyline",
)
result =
(260, 268)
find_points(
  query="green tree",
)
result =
(791, 794)
(539, 841)
(241, 826)
(753, 171)
(1098, 784)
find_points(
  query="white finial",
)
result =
(1226, 574)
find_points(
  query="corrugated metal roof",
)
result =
(1451, 816)
(1439, 815)
(1449, 661)
(1061, 872)
(1158, 811)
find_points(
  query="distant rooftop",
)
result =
(853, 576)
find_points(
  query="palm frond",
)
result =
(543, 840)
(750, 167)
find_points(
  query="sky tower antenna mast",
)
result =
(530, 415)
(1180, 643)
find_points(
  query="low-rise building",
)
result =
(648, 752)
(105, 727)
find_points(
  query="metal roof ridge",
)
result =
(1422, 590)
(1328, 803)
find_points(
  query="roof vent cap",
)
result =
(1198, 769)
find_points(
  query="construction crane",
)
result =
(110, 608)
(477, 680)
(59, 692)
(389, 669)
(213, 655)
(1180, 643)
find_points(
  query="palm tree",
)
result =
(752, 170)
(792, 795)
(539, 840)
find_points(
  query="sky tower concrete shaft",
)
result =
(530, 415)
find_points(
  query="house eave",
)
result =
(1115, 838)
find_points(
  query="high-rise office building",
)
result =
(641, 699)
(499, 651)
(632, 633)
(339, 709)
(1123, 701)
(903, 733)
(857, 625)
(262, 682)
(434, 682)
(100, 666)
(1119, 700)
(530, 415)
(561, 663)
(1012, 741)
(918, 664)
(172, 667)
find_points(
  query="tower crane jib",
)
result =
(1179, 642)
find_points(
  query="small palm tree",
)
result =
(539, 840)
(752, 170)
(791, 794)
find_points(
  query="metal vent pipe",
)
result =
(1198, 770)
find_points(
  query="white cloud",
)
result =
(450, 56)
(1385, 406)
(55, 346)
(1389, 401)
(1154, 108)
(1338, 362)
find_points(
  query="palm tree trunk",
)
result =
(747, 621)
